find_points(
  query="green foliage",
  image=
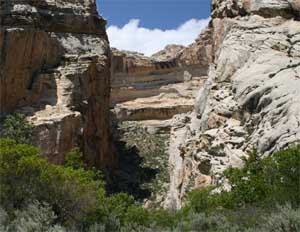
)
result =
(33, 217)
(116, 205)
(137, 215)
(283, 219)
(267, 180)
(25, 175)
(39, 196)
(74, 159)
(217, 151)
(16, 127)
(203, 200)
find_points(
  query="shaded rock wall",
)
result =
(55, 67)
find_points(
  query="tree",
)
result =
(16, 127)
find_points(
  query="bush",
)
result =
(269, 180)
(285, 219)
(38, 196)
(256, 188)
(74, 159)
(115, 206)
(25, 175)
(18, 128)
(34, 217)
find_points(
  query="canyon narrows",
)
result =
(165, 124)
(235, 89)
(147, 93)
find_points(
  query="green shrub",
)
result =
(16, 127)
(74, 159)
(217, 151)
(75, 198)
(162, 218)
(267, 180)
(33, 217)
(116, 206)
(285, 219)
(25, 175)
(203, 200)
(203, 222)
(137, 215)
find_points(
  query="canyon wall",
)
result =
(146, 93)
(251, 98)
(55, 68)
(161, 86)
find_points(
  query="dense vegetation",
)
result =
(15, 126)
(39, 196)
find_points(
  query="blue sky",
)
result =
(163, 14)
(148, 25)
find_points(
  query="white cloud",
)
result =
(132, 37)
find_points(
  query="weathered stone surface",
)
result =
(251, 98)
(55, 66)
(266, 8)
(173, 99)
(161, 107)
(198, 53)
(170, 52)
(136, 76)
(150, 91)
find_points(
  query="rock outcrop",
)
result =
(157, 87)
(170, 52)
(55, 67)
(146, 93)
(250, 100)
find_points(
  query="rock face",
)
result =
(146, 93)
(250, 100)
(153, 88)
(137, 76)
(55, 67)
(169, 52)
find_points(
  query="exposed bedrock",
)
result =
(251, 98)
(147, 92)
(161, 86)
(55, 67)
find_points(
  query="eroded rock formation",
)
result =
(146, 93)
(250, 100)
(157, 87)
(55, 67)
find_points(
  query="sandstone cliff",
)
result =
(146, 93)
(55, 67)
(250, 100)
(157, 87)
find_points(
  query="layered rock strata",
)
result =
(157, 87)
(55, 67)
(250, 100)
(146, 93)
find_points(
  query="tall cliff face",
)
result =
(146, 93)
(55, 67)
(250, 100)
